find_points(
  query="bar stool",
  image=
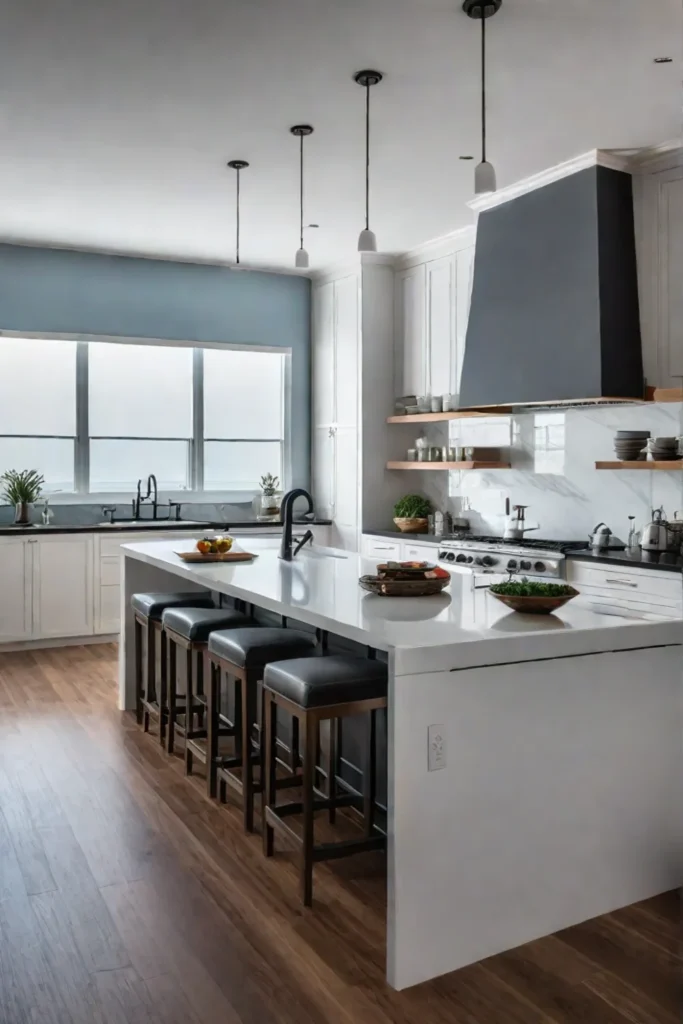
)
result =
(315, 690)
(148, 609)
(189, 628)
(243, 654)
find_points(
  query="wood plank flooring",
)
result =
(126, 897)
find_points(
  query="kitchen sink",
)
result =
(153, 524)
(323, 556)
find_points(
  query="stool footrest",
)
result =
(333, 851)
(320, 804)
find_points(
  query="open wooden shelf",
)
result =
(440, 417)
(671, 464)
(448, 465)
(668, 395)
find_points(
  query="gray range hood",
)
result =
(554, 314)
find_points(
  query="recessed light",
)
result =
(312, 225)
(465, 158)
(663, 60)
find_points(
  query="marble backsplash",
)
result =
(553, 456)
(91, 514)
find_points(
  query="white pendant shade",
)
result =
(367, 242)
(484, 178)
(301, 259)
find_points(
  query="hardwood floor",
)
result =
(126, 896)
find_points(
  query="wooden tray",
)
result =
(218, 556)
(402, 588)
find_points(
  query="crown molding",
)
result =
(437, 248)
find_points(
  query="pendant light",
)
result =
(237, 166)
(484, 173)
(367, 241)
(301, 131)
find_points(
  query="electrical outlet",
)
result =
(436, 750)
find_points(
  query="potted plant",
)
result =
(21, 489)
(270, 505)
(410, 513)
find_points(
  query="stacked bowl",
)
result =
(629, 444)
(662, 449)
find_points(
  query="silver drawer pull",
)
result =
(622, 583)
(378, 547)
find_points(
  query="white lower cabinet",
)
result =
(62, 572)
(379, 547)
(420, 552)
(15, 589)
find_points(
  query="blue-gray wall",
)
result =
(55, 290)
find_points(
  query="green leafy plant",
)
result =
(269, 484)
(525, 588)
(21, 487)
(412, 506)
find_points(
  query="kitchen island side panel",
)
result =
(560, 800)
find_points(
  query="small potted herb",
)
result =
(21, 489)
(410, 513)
(270, 505)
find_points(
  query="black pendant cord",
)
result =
(237, 220)
(367, 156)
(483, 85)
(301, 191)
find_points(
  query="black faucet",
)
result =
(286, 514)
(140, 498)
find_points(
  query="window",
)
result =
(95, 417)
(243, 418)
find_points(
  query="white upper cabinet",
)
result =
(441, 348)
(15, 591)
(323, 355)
(411, 329)
(464, 271)
(658, 200)
(62, 586)
(346, 333)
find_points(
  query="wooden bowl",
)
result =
(535, 605)
(402, 588)
(412, 525)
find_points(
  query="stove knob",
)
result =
(525, 565)
(469, 559)
(487, 560)
(512, 564)
(442, 556)
(450, 556)
(540, 566)
(461, 558)
(478, 561)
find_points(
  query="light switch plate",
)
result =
(436, 751)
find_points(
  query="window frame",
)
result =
(195, 492)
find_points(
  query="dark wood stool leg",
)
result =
(269, 791)
(162, 685)
(249, 701)
(309, 728)
(189, 705)
(370, 775)
(213, 701)
(138, 672)
(294, 759)
(332, 769)
(172, 690)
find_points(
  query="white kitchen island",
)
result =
(562, 789)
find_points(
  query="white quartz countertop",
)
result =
(320, 587)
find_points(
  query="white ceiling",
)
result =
(116, 119)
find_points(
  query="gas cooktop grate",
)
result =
(533, 543)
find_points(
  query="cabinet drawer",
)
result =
(383, 549)
(665, 586)
(110, 570)
(420, 552)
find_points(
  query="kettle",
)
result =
(655, 534)
(516, 527)
(600, 537)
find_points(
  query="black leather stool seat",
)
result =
(153, 605)
(197, 624)
(254, 648)
(318, 682)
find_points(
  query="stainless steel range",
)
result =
(489, 556)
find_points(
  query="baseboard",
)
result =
(59, 641)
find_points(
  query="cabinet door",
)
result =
(346, 487)
(441, 356)
(464, 268)
(346, 336)
(671, 323)
(323, 471)
(410, 325)
(15, 589)
(323, 355)
(62, 586)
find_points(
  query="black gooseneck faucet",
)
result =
(287, 514)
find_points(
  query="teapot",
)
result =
(600, 537)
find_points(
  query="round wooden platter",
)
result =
(387, 587)
(216, 556)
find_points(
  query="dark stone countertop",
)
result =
(36, 530)
(418, 538)
(664, 561)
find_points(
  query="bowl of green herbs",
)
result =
(523, 595)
